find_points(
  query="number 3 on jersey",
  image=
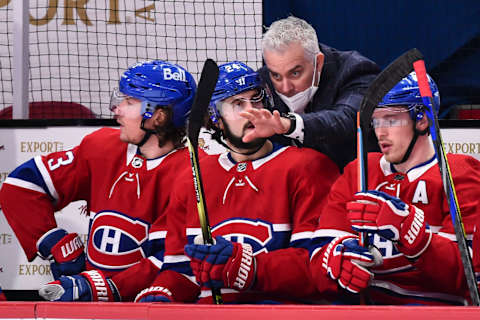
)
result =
(61, 161)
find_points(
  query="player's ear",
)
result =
(220, 124)
(320, 60)
(422, 122)
(160, 117)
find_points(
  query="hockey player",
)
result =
(263, 202)
(414, 258)
(125, 175)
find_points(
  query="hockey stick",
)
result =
(447, 180)
(382, 84)
(206, 86)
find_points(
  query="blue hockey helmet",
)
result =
(406, 93)
(234, 78)
(157, 84)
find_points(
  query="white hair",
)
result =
(290, 30)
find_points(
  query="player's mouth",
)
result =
(385, 146)
(248, 126)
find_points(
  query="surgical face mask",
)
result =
(297, 103)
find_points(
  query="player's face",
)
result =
(235, 126)
(394, 130)
(291, 71)
(128, 116)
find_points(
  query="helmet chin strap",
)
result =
(147, 135)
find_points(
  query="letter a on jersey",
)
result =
(420, 194)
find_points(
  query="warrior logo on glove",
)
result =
(222, 265)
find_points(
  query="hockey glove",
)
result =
(64, 250)
(392, 219)
(154, 294)
(87, 286)
(224, 264)
(345, 260)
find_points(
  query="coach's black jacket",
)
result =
(330, 118)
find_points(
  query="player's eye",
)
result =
(275, 76)
(394, 122)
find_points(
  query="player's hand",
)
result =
(64, 250)
(224, 264)
(345, 261)
(154, 294)
(266, 123)
(87, 286)
(392, 219)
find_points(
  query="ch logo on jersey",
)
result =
(393, 260)
(256, 233)
(386, 247)
(115, 239)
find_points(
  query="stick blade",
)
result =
(206, 86)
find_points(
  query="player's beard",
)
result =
(237, 142)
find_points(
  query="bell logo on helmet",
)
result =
(177, 76)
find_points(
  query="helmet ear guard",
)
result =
(214, 115)
(419, 114)
(148, 108)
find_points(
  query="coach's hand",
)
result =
(266, 124)
(392, 219)
(87, 286)
(224, 264)
(64, 250)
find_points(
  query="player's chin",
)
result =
(124, 138)
(128, 138)
(391, 157)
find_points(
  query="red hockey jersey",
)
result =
(437, 276)
(126, 197)
(272, 203)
